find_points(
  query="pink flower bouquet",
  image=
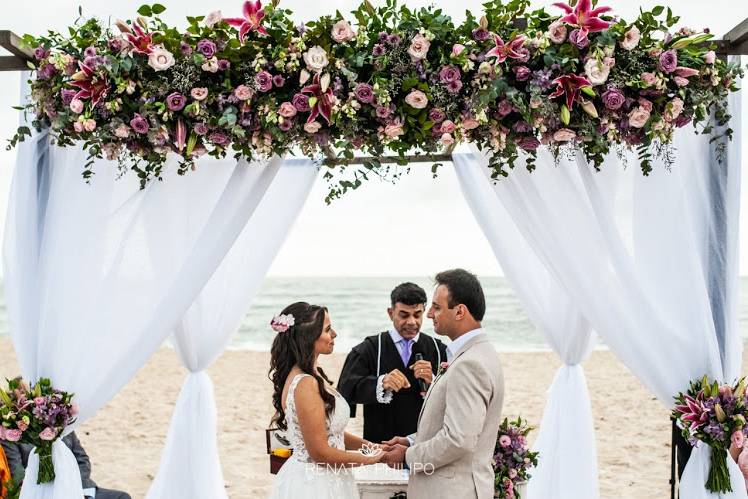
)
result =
(512, 459)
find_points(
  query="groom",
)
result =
(451, 453)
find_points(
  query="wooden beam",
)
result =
(738, 34)
(12, 63)
(13, 44)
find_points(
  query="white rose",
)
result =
(631, 38)
(316, 59)
(597, 72)
(213, 19)
(419, 47)
(160, 59)
(211, 65)
(342, 31)
(417, 99)
(312, 127)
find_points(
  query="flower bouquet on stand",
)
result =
(711, 413)
(512, 459)
(36, 415)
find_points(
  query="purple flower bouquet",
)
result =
(711, 413)
(512, 459)
(36, 415)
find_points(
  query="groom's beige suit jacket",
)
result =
(457, 427)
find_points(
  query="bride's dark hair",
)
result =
(296, 347)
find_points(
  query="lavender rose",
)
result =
(301, 103)
(264, 81)
(279, 81)
(41, 53)
(613, 99)
(206, 47)
(364, 93)
(139, 124)
(219, 139)
(579, 40)
(176, 101)
(437, 115)
(449, 74)
(454, 86)
(668, 61)
(223, 64)
(521, 73)
(200, 128)
(528, 143)
(481, 34)
(67, 95)
(286, 124)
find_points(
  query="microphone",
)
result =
(421, 383)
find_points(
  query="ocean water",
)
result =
(358, 308)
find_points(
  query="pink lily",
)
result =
(693, 412)
(501, 51)
(252, 20)
(685, 72)
(584, 17)
(142, 42)
(323, 99)
(90, 86)
(180, 135)
(570, 85)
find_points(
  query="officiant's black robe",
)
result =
(358, 384)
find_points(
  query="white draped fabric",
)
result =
(88, 295)
(190, 465)
(649, 262)
(567, 465)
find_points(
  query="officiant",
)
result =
(390, 372)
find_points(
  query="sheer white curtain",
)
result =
(190, 465)
(648, 261)
(567, 464)
(87, 303)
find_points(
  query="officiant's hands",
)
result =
(422, 370)
(395, 381)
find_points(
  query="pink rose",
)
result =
(13, 435)
(631, 38)
(447, 126)
(342, 31)
(505, 441)
(645, 104)
(447, 139)
(393, 129)
(78, 126)
(287, 110)
(22, 425)
(649, 78)
(673, 109)
(557, 32)
(457, 49)
(89, 125)
(419, 47)
(48, 434)
(417, 99)
(199, 93)
(312, 127)
(76, 106)
(512, 473)
(737, 438)
(470, 123)
(243, 92)
(122, 131)
(710, 57)
(680, 81)
(638, 117)
(563, 135)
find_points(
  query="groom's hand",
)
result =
(395, 458)
(422, 370)
(395, 381)
(390, 444)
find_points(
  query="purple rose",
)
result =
(481, 35)
(668, 61)
(219, 139)
(117, 44)
(67, 95)
(383, 112)
(524, 54)
(364, 93)
(613, 99)
(437, 115)
(521, 73)
(576, 37)
(206, 47)
(528, 143)
(505, 108)
(139, 124)
(286, 124)
(279, 80)
(378, 50)
(394, 39)
(46, 72)
(223, 64)
(454, 86)
(200, 128)
(301, 103)
(449, 74)
(185, 48)
(522, 127)
(264, 81)
(41, 53)
(176, 101)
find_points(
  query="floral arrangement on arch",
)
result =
(714, 414)
(36, 415)
(384, 78)
(512, 459)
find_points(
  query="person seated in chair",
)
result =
(18, 458)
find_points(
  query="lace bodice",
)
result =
(336, 423)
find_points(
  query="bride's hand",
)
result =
(388, 445)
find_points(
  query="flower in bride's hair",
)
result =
(281, 323)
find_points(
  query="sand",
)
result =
(125, 439)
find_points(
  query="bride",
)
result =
(312, 412)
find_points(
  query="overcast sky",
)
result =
(416, 227)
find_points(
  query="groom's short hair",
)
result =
(408, 293)
(464, 288)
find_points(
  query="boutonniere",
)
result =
(442, 368)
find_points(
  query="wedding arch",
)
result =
(575, 87)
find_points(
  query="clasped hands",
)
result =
(393, 452)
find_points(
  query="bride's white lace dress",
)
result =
(302, 477)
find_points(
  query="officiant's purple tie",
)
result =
(405, 353)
